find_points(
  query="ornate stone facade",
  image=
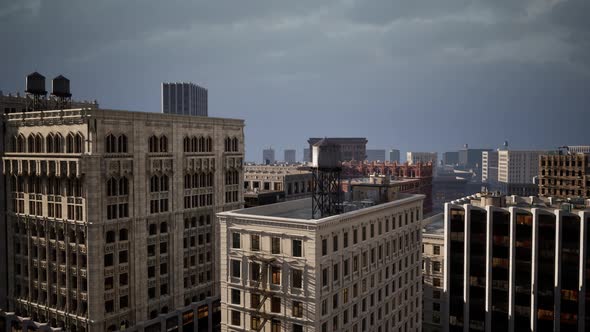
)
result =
(111, 217)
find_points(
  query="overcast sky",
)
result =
(421, 75)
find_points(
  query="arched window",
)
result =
(38, 143)
(70, 143)
(227, 144)
(49, 143)
(21, 143)
(210, 179)
(123, 186)
(164, 227)
(194, 144)
(154, 184)
(122, 142)
(234, 144)
(58, 143)
(31, 143)
(195, 177)
(110, 237)
(202, 180)
(153, 144)
(164, 183)
(186, 145)
(123, 234)
(209, 144)
(111, 187)
(163, 144)
(79, 143)
(110, 144)
(153, 230)
(202, 144)
(187, 181)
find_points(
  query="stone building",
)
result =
(111, 217)
(565, 175)
(517, 170)
(294, 182)
(516, 264)
(433, 303)
(357, 271)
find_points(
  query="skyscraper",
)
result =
(394, 156)
(268, 156)
(290, 156)
(184, 98)
(375, 155)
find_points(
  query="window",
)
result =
(275, 304)
(275, 326)
(108, 260)
(235, 296)
(436, 266)
(324, 247)
(297, 278)
(297, 248)
(436, 250)
(335, 272)
(236, 241)
(297, 309)
(297, 328)
(335, 243)
(254, 300)
(255, 323)
(436, 282)
(235, 318)
(276, 275)
(255, 242)
(345, 240)
(235, 268)
(325, 277)
(276, 245)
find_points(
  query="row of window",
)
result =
(198, 144)
(256, 273)
(52, 143)
(275, 244)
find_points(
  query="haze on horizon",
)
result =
(418, 75)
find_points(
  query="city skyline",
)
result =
(287, 81)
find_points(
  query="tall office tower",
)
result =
(516, 172)
(16, 103)
(111, 217)
(565, 176)
(451, 158)
(356, 271)
(422, 157)
(517, 264)
(394, 156)
(290, 156)
(351, 148)
(185, 99)
(489, 167)
(471, 158)
(268, 156)
(433, 244)
(375, 155)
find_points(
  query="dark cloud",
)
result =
(294, 69)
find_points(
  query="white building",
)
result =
(421, 157)
(434, 304)
(516, 170)
(489, 166)
(358, 271)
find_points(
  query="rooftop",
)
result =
(434, 225)
(549, 203)
(300, 210)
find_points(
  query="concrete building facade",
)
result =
(357, 271)
(516, 264)
(433, 244)
(184, 99)
(413, 158)
(290, 156)
(489, 167)
(111, 218)
(295, 183)
(565, 176)
(351, 148)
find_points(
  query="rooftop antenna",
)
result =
(326, 184)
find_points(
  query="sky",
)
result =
(420, 75)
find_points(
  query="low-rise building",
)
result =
(281, 270)
(294, 182)
(517, 171)
(565, 175)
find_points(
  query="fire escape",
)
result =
(263, 288)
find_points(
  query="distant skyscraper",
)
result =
(450, 158)
(290, 156)
(375, 155)
(184, 98)
(307, 155)
(394, 155)
(516, 170)
(471, 158)
(268, 156)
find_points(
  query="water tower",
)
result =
(326, 170)
(60, 87)
(35, 90)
